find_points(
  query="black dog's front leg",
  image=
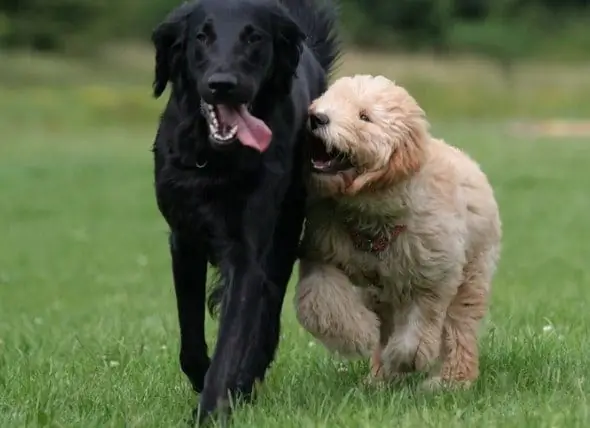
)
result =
(241, 357)
(189, 268)
(249, 328)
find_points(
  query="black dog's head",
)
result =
(220, 55)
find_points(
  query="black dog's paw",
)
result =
(198, 381)
(195, 370)
(212, 408)
(217, 407)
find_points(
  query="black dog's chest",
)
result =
(193, 203)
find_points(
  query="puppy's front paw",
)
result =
(380, 376)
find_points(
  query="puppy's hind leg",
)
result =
(415, 340)
(328, 306)
(460, 355)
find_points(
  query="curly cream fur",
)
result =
(434, 281)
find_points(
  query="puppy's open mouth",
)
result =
(328, 161)
(228, 124)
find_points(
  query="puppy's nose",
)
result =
(317, 120)
(222, 83)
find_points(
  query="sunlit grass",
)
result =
(88, 330)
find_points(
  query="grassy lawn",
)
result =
(88, 331)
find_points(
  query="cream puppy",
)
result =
(402, 236)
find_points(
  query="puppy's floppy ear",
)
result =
(405, 161)
(167, 38)
(409, 155)
(287, 46)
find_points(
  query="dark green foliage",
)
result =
(499, 28)
(47, 24)
(63, 25)
(408, 23)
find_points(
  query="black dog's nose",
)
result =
(222, 83)
(317, 120)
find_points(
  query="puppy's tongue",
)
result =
(252, 132)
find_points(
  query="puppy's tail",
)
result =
(318, 19)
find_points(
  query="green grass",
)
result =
(88, 330)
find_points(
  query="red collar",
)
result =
(376, 243)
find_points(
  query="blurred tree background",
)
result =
(460, 58)
(501, 29)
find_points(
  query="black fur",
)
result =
(241, 210)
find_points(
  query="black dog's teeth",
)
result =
(220, 132)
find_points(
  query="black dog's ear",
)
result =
(167, 38)
(288, 44)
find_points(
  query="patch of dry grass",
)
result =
(115, 85)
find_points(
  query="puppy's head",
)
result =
(221, 57)
(366, 134)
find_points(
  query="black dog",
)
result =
(229, 162)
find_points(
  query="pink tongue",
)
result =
(252, 132)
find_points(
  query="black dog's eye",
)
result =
(250, 35)
(253, 38)
(364, 116)
(202, 37)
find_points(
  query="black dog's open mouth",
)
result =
(328, 161)
(228, 124)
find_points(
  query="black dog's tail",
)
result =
(215, 294)
(318, 19)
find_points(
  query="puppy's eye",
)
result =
(202, 37)
(253, 38)
(364, 116)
